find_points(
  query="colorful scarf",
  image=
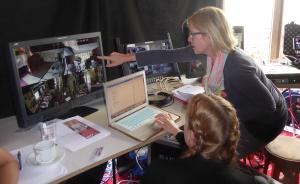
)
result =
(214, 80)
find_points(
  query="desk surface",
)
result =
(282, 75)
(117, 144)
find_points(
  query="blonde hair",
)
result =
(214, 122)
(211, 20)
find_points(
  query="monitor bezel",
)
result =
(23, 119)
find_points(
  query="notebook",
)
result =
(128, 109)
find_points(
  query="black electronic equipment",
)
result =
(197, 68)
(161, 99)
(285, 80)
(296, 47)
(282, 75)
(296, 43)
(153, 72)
(51, 76)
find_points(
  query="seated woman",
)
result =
(211, 135)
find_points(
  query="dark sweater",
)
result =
(195, 170)
(259, 104)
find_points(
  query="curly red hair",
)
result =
(215, 125)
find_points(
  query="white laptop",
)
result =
(128, 109)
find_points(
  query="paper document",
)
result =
(187, 91)
(76, 133)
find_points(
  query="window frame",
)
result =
(276, 41)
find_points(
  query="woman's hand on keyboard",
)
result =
(166, 122)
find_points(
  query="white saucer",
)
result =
(60, 154)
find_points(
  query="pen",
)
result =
(19, 160)
(98, 151)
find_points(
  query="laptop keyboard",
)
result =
(137, 119)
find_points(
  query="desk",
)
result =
(115, 145)
(282, 75)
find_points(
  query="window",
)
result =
(263, 23)
(256, 16)
(291, 11)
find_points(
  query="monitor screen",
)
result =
(197, 68)
(153, 72)
(53, 75)
(133, 87)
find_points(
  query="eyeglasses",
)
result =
(196, 33)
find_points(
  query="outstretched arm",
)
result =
(9, 169)
(116, 59)
(151, 57)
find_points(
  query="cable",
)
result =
(293, 60)
(290, 110)
(164, 84)
(162, 88)
(167, 84)
(290, 56)
(170, 103)
(136, 159)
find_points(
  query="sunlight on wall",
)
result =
(291, 11)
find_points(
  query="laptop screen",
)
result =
(125, 95)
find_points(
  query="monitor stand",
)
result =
(78, 111)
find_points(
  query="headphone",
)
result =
(161, 99)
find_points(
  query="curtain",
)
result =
(130, 20)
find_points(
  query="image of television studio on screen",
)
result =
(56, 73)
(150, 70)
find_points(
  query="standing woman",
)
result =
(230, 73)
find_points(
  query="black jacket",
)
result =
(195, 170)
(260, 106)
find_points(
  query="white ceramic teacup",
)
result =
(44, 151)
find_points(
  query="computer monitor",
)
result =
(196, 68)
(51, 76)
(153, 72)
